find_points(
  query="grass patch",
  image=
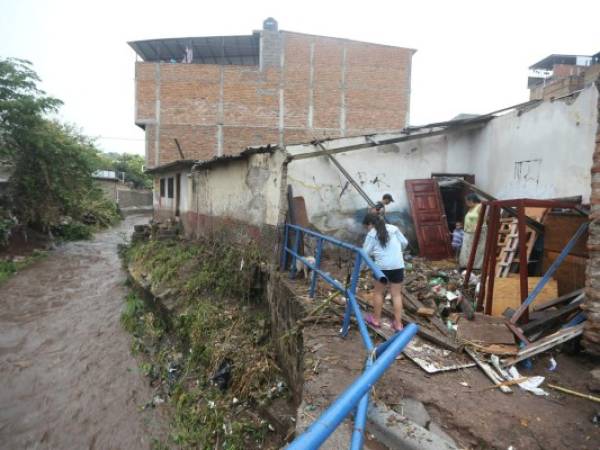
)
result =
(218, 327)
(10, 267)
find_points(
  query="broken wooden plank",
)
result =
(484, 330)
(429, 357)
(551, 317)
(426, 312)
(489, 371)
(545, 344)
(495, 349)
(557, 301)
(433, 359)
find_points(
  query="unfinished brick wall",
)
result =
(306, 86)
(591, 334)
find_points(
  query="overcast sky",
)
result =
(472, 56)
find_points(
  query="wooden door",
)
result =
(429, 218)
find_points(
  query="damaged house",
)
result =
(253, 132)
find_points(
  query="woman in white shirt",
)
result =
(384, 243)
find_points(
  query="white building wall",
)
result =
(544, 152)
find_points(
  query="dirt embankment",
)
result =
(68, 377)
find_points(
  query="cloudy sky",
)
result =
(472, 56)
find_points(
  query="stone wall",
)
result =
(286, 309)
(591, 334)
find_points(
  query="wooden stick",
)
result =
(504, 383)
(575, 393)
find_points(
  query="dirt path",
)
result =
(68, 377)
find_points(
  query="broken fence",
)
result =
(378, 358)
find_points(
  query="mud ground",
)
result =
(68, 377)
(461, 401)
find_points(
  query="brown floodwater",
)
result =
(68, 379)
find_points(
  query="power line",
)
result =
(114, 138)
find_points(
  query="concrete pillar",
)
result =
(157, 115)
(281, 91)
(311, 87)
(343, 94)
(220, 112)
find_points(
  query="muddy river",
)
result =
(69, 380)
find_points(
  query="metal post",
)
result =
(346, 322)
(314, 275)
(476, 238)
(284, 247)
(523, 272)
(493, 247)
(360, 420)
(296, 247)
(355, 273)
(333, 416)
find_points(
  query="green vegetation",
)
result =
(10, 267)
(131, 165)
(207, 333)
(53, 163)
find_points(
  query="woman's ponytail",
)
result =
(378, 223)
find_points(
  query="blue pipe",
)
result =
(327, 422)
(284, 248)
(368, 261)
(360, 421)
(335, 283)
(362, 328)
(313, 281)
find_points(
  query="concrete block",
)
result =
(400, 433)
(437, 430)
(413, 410)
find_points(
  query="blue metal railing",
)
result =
(378, 358)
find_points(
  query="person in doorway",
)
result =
(379, 207)
(384, 243)
(457, 238)
(471, 218)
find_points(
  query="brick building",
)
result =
(201, 97)
(558, 75)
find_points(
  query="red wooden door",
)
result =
(429, 218)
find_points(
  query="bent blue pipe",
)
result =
(329, 420)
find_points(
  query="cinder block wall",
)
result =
(591, 334)
(305, 86)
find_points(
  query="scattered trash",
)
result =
(222, 376)
(465, 384)
(531, 384)
(552, 364)
(157, 400)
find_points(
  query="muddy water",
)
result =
(67, 377)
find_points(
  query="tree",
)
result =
(131, 165)
(53, 163)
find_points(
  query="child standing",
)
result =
(457, 238)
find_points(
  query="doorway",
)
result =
(453, 194)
